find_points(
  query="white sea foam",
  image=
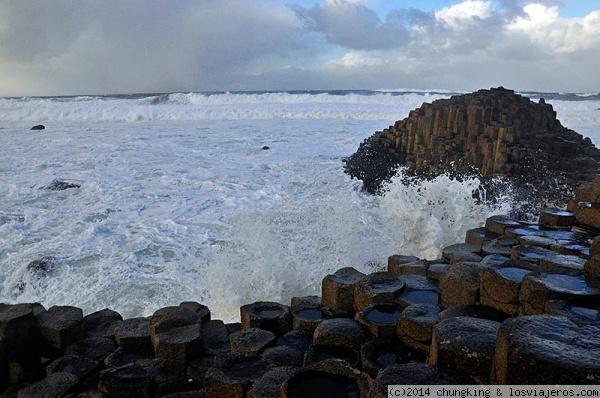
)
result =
(182, 207)
(217, 106)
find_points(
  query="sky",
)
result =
(73, 47)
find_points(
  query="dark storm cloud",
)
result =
(122, 46)
(352, 25)
(115, 46)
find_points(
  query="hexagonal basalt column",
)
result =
(498, 224)
(338, 291)
(413, 374)
(266, 315)
(500, 287)
(377, 288)
(380, 318)
(530, 254)
(330, 378)
(232, 374)
(134, 334)
(396, 265)
(460, 286)
(60, 326)
(418, 290)
(466, 345)
(176, 346)
(168, 318)
(539, 287)
(377, 353)
(556, 218)
(479, 236)
(340, 332)
(306, 318)
(251, 340)
(462, 252)
(546, 349)
(415, 325)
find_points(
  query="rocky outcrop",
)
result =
(486, 133)
(516, 303)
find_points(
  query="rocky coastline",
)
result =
(485, 134)
(517, 302)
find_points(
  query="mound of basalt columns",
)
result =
(487, 133)
(516, 303)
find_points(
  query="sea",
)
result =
(224, 198)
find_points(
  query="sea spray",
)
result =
(177, 201)
(285, 252)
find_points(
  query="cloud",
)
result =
(134, 45)
(352, 25)
(473, 44)
(114, 46)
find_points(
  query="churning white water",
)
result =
(178, 200)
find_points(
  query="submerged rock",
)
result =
(60, 185)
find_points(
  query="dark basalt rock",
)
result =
(460, 286)
(338, 291)
(96, 348)
(501, 284)
(60, 185)
(215, 337)
(134, 334)
(474, 311)
(55, 385)
(377, 288)
(318, 353)
(201, 310)
(462, 252)
(415, 325)
(251, 340)
(299, 339)
(60, 326)
(340, 332)
(266, 315)
(546, 349)
(175, 346)
(380, 318)
(269, 384)
(38, 127)
(168, 318)
(466, 345)
(577, 314)
(284, 355)
(127, 381)
(124, 357)
(232, 374)
(306, 318)
(485, 133)
(479, 236)
(102, 323)
(539, 287)
(328, 379)
(377, 353)
(78, 366)
(414, 374)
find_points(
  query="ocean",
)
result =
(180, 200)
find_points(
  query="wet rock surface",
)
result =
(546, 349)
(533, 318)
(485, 133)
